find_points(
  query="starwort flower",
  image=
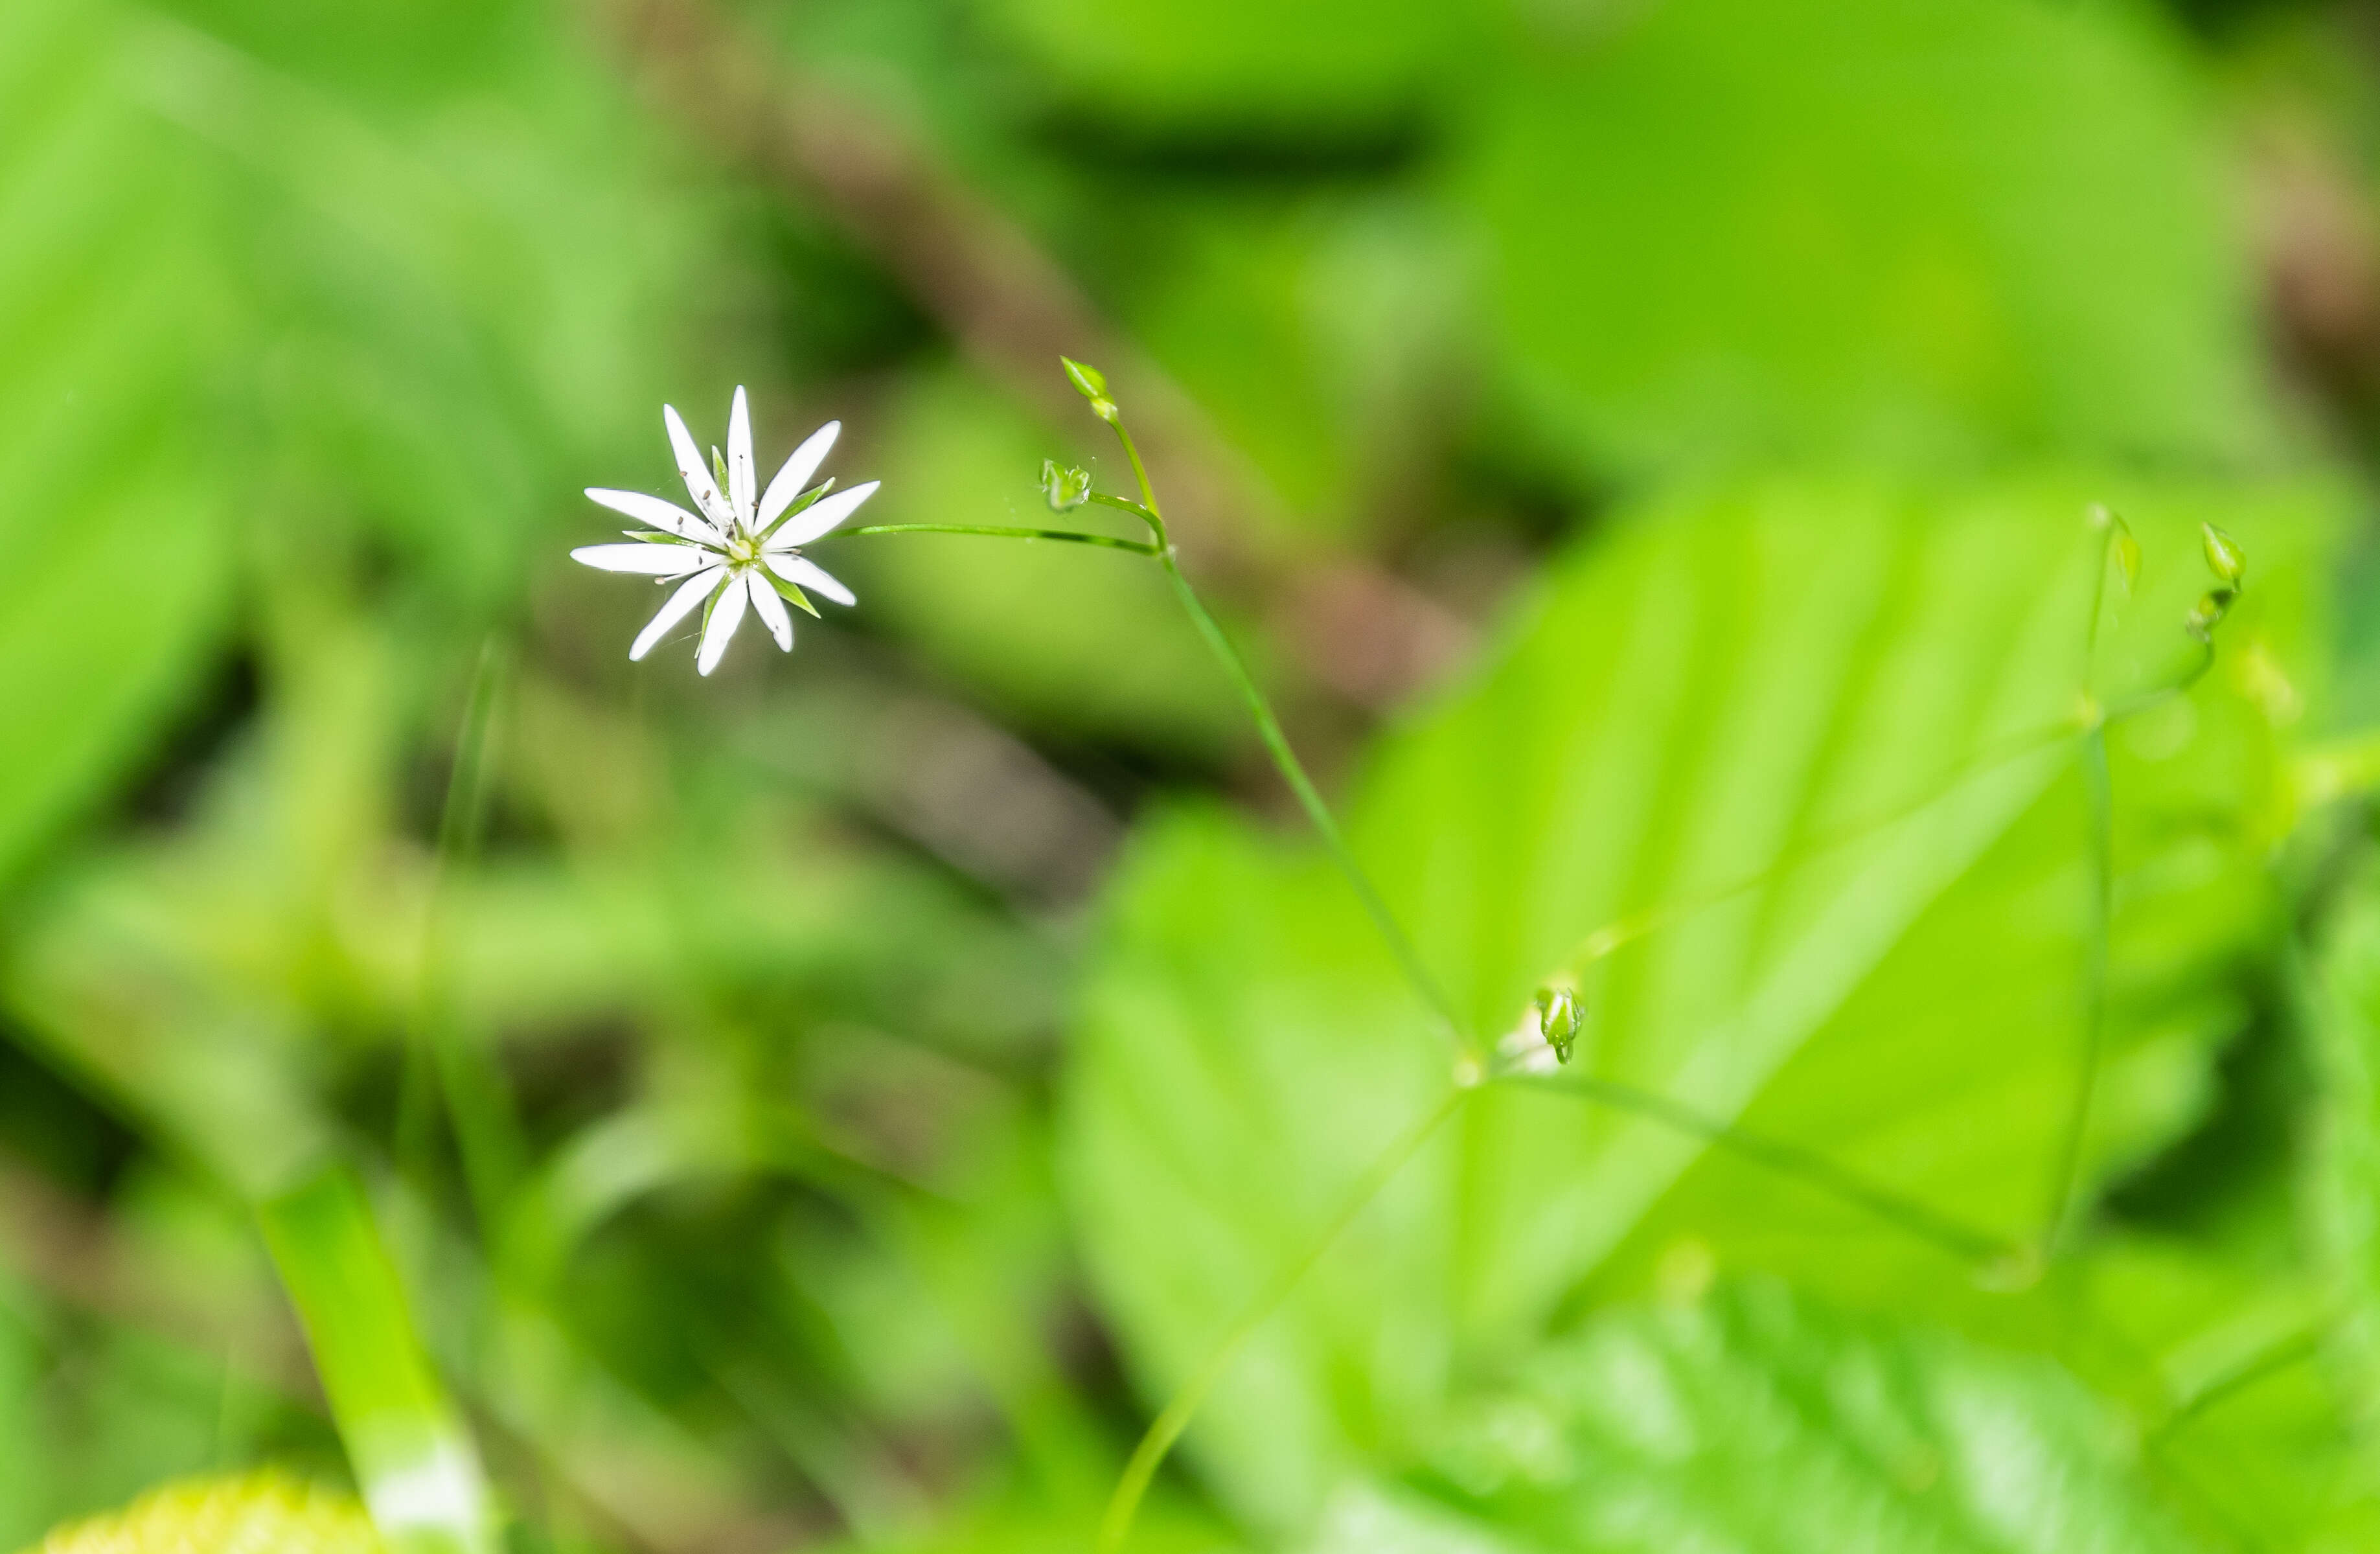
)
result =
(740, 550)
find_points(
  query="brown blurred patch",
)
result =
(2320, 247)
(1013, 311)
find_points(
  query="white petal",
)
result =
(741, 481)
(772, 610)
(653, 560)
(667, 516)
(725, 618)
(681, 604)
(807, 575)
(821, 516)
(696, 474)
(794, 478)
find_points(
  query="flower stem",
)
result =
(2066, 1186)
(1168, 1427)
(442, 1066)
(1137, 547)
(1913, 1218)
(1284, 758)
(2065, 1183)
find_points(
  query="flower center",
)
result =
(742, 549)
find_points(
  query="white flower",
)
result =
(742, 549)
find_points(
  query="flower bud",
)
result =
(2224, 556)
(1066, 489)
(1559, 1019)
(1092, 384)
(2120, 543)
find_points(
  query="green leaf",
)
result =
(1750, 1420)
(1736, 229)
(2340, 997)
(1699, 702)
(1330, 337)
(115, 512)
(459, 329)
(1327, 69)
(420, 1473)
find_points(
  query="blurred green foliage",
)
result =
(1644, 448)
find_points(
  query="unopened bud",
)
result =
(2224, 556)
(1066, 489)
(1559, 1019)
(2120, 543)
(1092, 384)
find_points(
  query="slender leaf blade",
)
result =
(420, 1472)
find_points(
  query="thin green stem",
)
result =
(1903, 1213)
(2065, 1183)
(1116, 1524)
(2066, 1186)
(2201, 659)
(487, 1135)
(2278, 1357)
(1108, 541)
(1123, 504)
(2098, 603)
(1624, 930)
(1292, 770)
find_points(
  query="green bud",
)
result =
(2126, 550)
(1092, 384)
(2224, 556)
(1559, 1019)
(1066, 489)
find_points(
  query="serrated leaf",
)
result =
(1711, 692)
(2339, 998)
(1750, 1420)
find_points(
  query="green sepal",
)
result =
(659, 537)
(1066, 489)
(790, 594)
(1559, 1019)
(719, 470)
(807, 499)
